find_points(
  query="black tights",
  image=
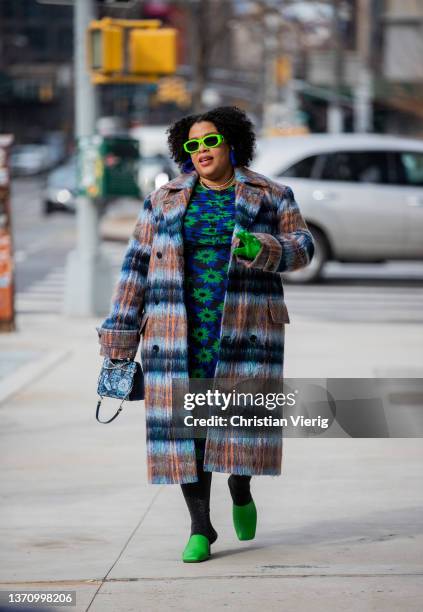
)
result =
(197, 494)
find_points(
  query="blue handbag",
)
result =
(120, 379)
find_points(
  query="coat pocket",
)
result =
(143, 322)
(278, 310)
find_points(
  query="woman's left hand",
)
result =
(250, 245)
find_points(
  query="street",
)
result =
(41, 245)
(391, 292)
(340, 528)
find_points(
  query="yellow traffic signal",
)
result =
(152, 51)
(105, 47)
(130, 51)
(173, 89)
(283, 70)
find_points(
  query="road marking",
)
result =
(45, 295)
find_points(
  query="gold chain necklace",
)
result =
(224, 185)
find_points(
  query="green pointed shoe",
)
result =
(197, 549)
(245, 520)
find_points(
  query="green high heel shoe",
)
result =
(197, 549)
(245, 520)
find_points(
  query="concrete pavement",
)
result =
(341, 529)
(119, 221)
(118, 229)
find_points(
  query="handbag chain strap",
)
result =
(121, 404)
(114, 416)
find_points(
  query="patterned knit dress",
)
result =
(209, 222)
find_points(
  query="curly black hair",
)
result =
(230, 121)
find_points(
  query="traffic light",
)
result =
(105, 47)
(173, 89)
(130, 51)
(152, 51)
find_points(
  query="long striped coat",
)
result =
(148, 308)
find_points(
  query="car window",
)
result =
(409, 168)
(301, 169)
(356, 166)
(153, 160)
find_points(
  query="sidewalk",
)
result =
(119, 221)
(341, 529)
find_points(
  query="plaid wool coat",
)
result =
(148, 308)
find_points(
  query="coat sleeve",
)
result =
(293, 246)
(119, 333)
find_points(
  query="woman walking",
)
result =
(200, 287)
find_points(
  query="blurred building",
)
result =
(384, 39)
(293, 59)
(401, 86)
(36, 47)
(36, 65)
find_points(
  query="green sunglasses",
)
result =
(210, 142)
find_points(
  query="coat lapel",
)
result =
(249, 190)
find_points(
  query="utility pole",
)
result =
(199, 44)
(88, 274)
(363, 94)
(335, 117)
(270, 48)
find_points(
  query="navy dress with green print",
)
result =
(209, 222)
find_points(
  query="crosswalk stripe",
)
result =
(48, 297)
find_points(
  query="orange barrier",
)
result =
(7, 310)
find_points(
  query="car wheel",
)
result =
(313, 271)
(48, 207)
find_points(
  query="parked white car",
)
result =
(152, 139)
(61, 188)
(30, 159)
(360, 194)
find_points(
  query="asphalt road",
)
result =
(388, 292)
(40, 242)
